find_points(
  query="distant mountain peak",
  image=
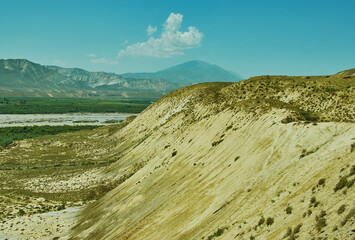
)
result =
(191, 72)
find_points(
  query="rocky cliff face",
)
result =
(265, 158)
(90, 79)
(113, 82)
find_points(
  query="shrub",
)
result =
(313, 200)
(341, 209)
(352, 148)
(269, 221)
(217, 142)
(174, 153)
(352, 170)
(289, 210)
(342, 183)
(21, 212)
(297, 228)
(261, 221)
(321, 182)
(350, 183)
(321, 223)
(61, 207)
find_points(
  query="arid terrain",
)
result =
(271, 157)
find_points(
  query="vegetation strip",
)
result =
(70, 105)
(10, 134)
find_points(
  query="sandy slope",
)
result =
(40, 226)
(203, 167)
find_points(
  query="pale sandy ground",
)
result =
(40, 226)
(72, 182)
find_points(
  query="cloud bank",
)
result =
(171, 42)
(91, 55)
(104, 61)
(96, 60)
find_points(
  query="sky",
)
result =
(249, 37)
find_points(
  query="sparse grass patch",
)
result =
(309, 116)
(352, 170)
(113, 121)
(218, 233)
(314, 202)
(306, 153)
(350, 215)
(292, 234)
(321, 221)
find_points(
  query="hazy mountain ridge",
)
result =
(86, 78)
(23, 78)
(21, 73)
(191, 72)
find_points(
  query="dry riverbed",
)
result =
(21, 120)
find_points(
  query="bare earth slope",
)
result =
(265, 158)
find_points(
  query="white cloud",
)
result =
(171, 42)
(91, 55)
(151, 30)
(59, 63)
(104, 61)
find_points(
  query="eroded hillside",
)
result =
(271, 157)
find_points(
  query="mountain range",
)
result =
(20, 77)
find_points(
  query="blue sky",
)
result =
(250, 37)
